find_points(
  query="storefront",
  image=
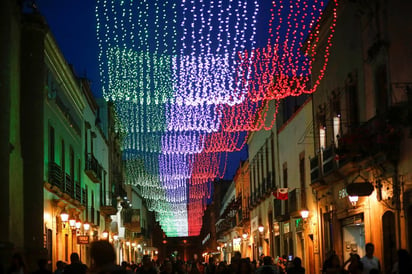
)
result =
(353, 236)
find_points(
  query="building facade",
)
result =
(361, 169)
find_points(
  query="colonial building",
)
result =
(262, 173)
(295, 226)
(361, 173)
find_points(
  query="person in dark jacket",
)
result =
(296, 267)
(268, 267)
(103, 259)
(75, 266)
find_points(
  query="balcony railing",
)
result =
(63, 184)
(84, 197)
(93, 169)
(77, 192)
(378, 135)
(329, 160)
(68, 186)
(55, 175)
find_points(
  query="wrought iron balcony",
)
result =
(77, 192)
(84, 197)
(68, 186)
(56, 175)
(329, 160)
(93, 169)
(378, 135)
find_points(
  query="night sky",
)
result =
(73, 24)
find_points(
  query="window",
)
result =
(302, 179)
(322, 137)
(51, 144)
(63, 158)
(336, 129)
(71, 163)
(79, 171)
(285, 184)
(352, 100)
(381, 89)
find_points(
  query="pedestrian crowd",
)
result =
(368, 264)
(103, 261)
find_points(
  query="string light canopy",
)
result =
(285, 66)
(189, 79)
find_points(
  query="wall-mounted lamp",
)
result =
(261, 228)
(86, 227)
(304, 213)
(105, 234)
(218, 248)
(78, 224)
(244, 236)
(64, 217)
(353, 200)
(72, 223)
(115, 237)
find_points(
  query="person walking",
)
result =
(355, 265)
(59, 267)
(147, 266)
(332, 264)
(75, 266)
(103, 259)
(369, 261)
(296, 267)
(268, 267)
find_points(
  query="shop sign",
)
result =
(299, 224)
(83, 239)
(236, 244)
(286, 228)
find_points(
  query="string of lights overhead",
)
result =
(189, 80)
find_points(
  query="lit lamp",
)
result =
(115, 237)
(218, 248)
(64, 217)
(244, 236)
(304, 213)
(261, 228)
(78, 225)
(353, 200)
(72, 223)
(86, 226)
(105, 234)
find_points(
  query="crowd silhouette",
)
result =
(103, 261)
